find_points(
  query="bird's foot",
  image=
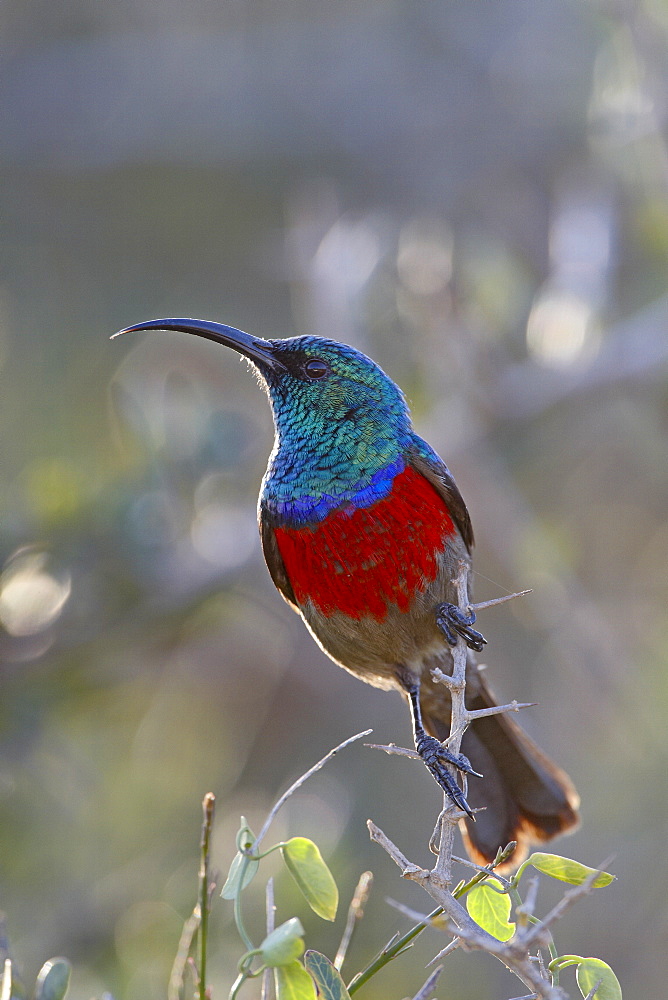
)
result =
(435, 756)
(453, 622)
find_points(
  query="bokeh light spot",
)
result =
(562, 330)
(31, 598)
(424, 258)
(224, 535)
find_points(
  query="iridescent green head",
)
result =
(333, 407)
(342, 426)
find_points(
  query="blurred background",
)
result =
(476, 194)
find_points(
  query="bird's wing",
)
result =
(424, 460)
(274, 561)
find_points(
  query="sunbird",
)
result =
(364, 530)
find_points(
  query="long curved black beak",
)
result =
(255, 348)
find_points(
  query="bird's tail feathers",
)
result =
(522, 796)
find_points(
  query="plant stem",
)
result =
(238, 983)
(243, 933)
(390, 951)
(355, 913)
(208, 807)
(300, 781)
(552, 948)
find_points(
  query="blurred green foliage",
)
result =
(476, 195)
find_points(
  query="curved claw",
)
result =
(453, 622)
(462, 762)
(435, 756)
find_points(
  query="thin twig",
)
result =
(454, 944)
(392, 748)
(355, 914)
(406, 911)
(499, 600)
(449, 818)
(446, 679)
(395, 946)
(299, 782)
(536, 932)
(469, 936)
(208, 807)
(524, 912)
(197, 921)
(429, 881)
(423, 994)
(594, 990)
(486, 870)
(514, 953)
(270, 910)
(478, 713)
(176, 983)
(408, 869)
(513, 706)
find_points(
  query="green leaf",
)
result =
(53, 980)
(565, 869)
(284, 944)
(491, 910)
(293, 982)
(242, 872)
(245, 836)
(243, 868)
(312, 875)
(589, 971)
(327, 978)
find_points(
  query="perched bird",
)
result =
(363, 530)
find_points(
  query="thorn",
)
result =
(499, 600)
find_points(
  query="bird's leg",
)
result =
(453, 622)
(433, 753)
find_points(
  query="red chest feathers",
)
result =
(360, 560)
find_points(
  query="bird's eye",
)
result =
(315, 369)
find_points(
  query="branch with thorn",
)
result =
(530, 933)
(461, 719)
